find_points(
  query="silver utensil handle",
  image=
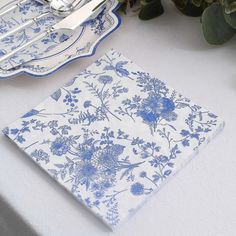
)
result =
(24, 25)
(29, 43)
(78, 3)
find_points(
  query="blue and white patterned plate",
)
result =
(82, 44)
(114, 135)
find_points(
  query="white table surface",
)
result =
(200, 200)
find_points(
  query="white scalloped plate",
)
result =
(82, 44)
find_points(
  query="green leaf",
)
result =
(197, 3)
(188, 8)
(151, 10)
(215, 29)
(132, 3)
(230, 6)
(123, 7)
(231, 19)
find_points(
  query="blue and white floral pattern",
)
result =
(113, 135)
(47, 56)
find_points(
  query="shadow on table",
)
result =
(60, 191)
(11, 223)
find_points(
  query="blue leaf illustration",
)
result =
(63, 38)
(212, 115)
(37, 30)
(20, 139)
(56, 95)
(50, 48)
(33, 112)
(14, 131)
(185, 142)
(184, 132)
(109, 67)
(167, 172)
(2, 52)
(71, 82)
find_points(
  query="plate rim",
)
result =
(57, 68)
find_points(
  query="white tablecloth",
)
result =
(200, 200)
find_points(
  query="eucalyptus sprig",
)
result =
(219, 21)
(218, 17)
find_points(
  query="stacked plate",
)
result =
(82, 43)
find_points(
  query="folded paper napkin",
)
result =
(113, 135)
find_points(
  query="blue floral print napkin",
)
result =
(113, 135)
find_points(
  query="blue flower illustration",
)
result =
(105, 79)
(155, 107)
(87, 104)
(137, 189)
(60, 146)
(169, 116)
(98, 194)
(76, 91)
(150, 109)
(158, 160)
(25, 7)
(143, 174)
(108, 157)
(97, 24)
(86, 154)
(70, 100)
(3, 29)
(86, 173)
(40, 155)
(97, 164)
(167, 105)
(105, 184)
(88, 170)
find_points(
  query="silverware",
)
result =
(62, 3)
(68, 24)
(60, 8)
(63, 8)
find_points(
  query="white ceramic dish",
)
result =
(82, 44)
